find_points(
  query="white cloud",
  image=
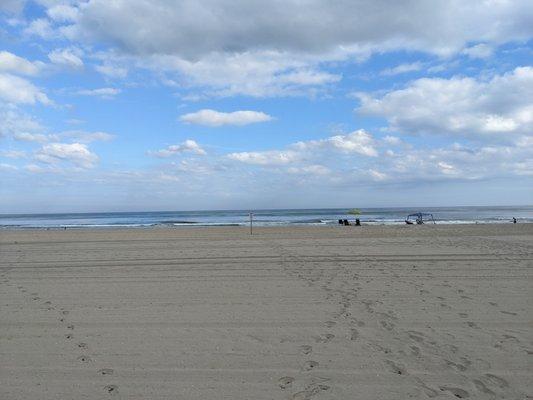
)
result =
(12, 121)
(259, 49)
(31, 137)
(481, 50)
(7, 167)
(360, 142)
(88, 137)
(315, 169)
(67, 57)
(266, 158)
(257, 74)
(63, 13)
(10, 62)
(41, 27)
(466, 107)
(76, 153)
(15, 154)
(217, 118)
(105, 93)
(34, 168)
(12, 6)
(392, 140)
(402, 69)
(14, 89)
(191, 29)
(357, 142)
(188, 146)
(112, 71)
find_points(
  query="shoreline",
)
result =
(256, 226)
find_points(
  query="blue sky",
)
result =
(180, 105)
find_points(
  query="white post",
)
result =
(251, 223)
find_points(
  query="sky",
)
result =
(132, 105)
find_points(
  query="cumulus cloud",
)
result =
(14, 89)
(75, 153)
(467, 107)
(360, 142)
(41, 27)
(257, 74)
(216, 118)
(10, 62)
(66, 57)
(357, 142)
(192, 30)
(188, 146)
(258, 48)
(104, 93)
(273, 157)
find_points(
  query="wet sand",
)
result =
(288, 313)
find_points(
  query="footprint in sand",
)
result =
(69, 336)
(463, 315)
(306, 349)
(396, 368)
(387, 325)
(482, 387)
(457, 392)
(111, 389)
(324, 338)
(82, 345)
(508, 312)
(285, 382)
(354, 334)
(71, 326)
(64, 312)
(472, 325)
(330, 324)
(105, 371)
(309, 392)
(310, 365)
(84, 359)
(456, 366)
(496, 380)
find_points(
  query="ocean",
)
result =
(326, 216)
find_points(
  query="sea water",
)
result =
(325, 216)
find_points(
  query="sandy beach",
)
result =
(289, 313)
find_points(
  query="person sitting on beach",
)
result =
(514, 220)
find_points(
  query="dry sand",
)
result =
(289, 313)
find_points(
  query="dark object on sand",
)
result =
(419, 218)
(357, 222)
(341, 222)
(346, 222)
(514, 220)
